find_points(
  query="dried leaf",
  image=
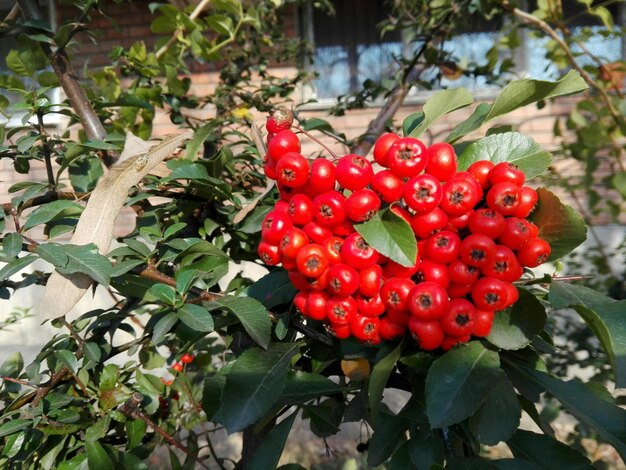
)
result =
(98, 219)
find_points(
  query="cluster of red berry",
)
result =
(472, 236)
(185, 359)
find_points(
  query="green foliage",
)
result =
(110, 387)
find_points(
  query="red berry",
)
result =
(480, 171)
(422, 193)
(462, 273)
(381, 147)
(388, 186)
(486, 222)
(483, 319)
(504, 265)
(300, 209)
(333, 249)
(430, 271)
(322, 178)
(343, 229)
(528, 200)
(300, 300)
(329, 208)
(269, 254)
(441, 161)
(370, 306)
(428, 334)
(187, 358)
(291, 243)
(370, 280)
(402, 212)
(425, 225)
(516, 233)
(504, 198)
(283, 142)
(535, 252)
(395, 293)
(443, 247)
(317, 232)
(458, 222)
(354, 172)
(343, 280)
(361, 205)
(292, 170)
(300, 282)
(393, 269)
(407, 157)
(428, 301)
(312, 260)
(340, 310)
(358, 253)
(459, 318)
(477, 250)
(506, 172)
(364, 328)
(280, 119)
(178, 367)
(490, 294)
(459, 196)
(274, 227)
(401, 317)
(316, 305)
(339, 331)
(389, 330)
(456, 290)
(269, 168)
(512, 294)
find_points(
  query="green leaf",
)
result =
(515, 327)
(12, 365)
(190, 171)
(221, 24)
(46, 213)
(196, 317)
(302, 386)
(273, 289)
(459, 382)
(69, 259)
(523, 92)
(619, 183)
(317, 124)
(425, 446)
(135, 430)
(68, 358)
(378, 379)
(607, 419)
(546, 451)
(15, 266)
(84, 173)
(386, 438)
(499, 416)
(12, 244)
(165, 293)
(48, 79)
(212, 391)
(558, 224)
(391, 236)
(199, 136)
(97, 457)
(443, 102)
(184, 280)
(470, 124)
(271, 448)
(254, 384)
(252, 315)
(604, 315)
(326, 417)
(14, 425)
(512, 147)
(163, 327)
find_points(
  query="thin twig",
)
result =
(68, 80)
(19, 382)
(172, 40)
(13, 14)
(45, 145)
(317, 141)
(546, 28)
(131, 409)
(217, 459)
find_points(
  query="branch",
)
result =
(66, 74)
(546, 28)
(196, 12)
(131, 409)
